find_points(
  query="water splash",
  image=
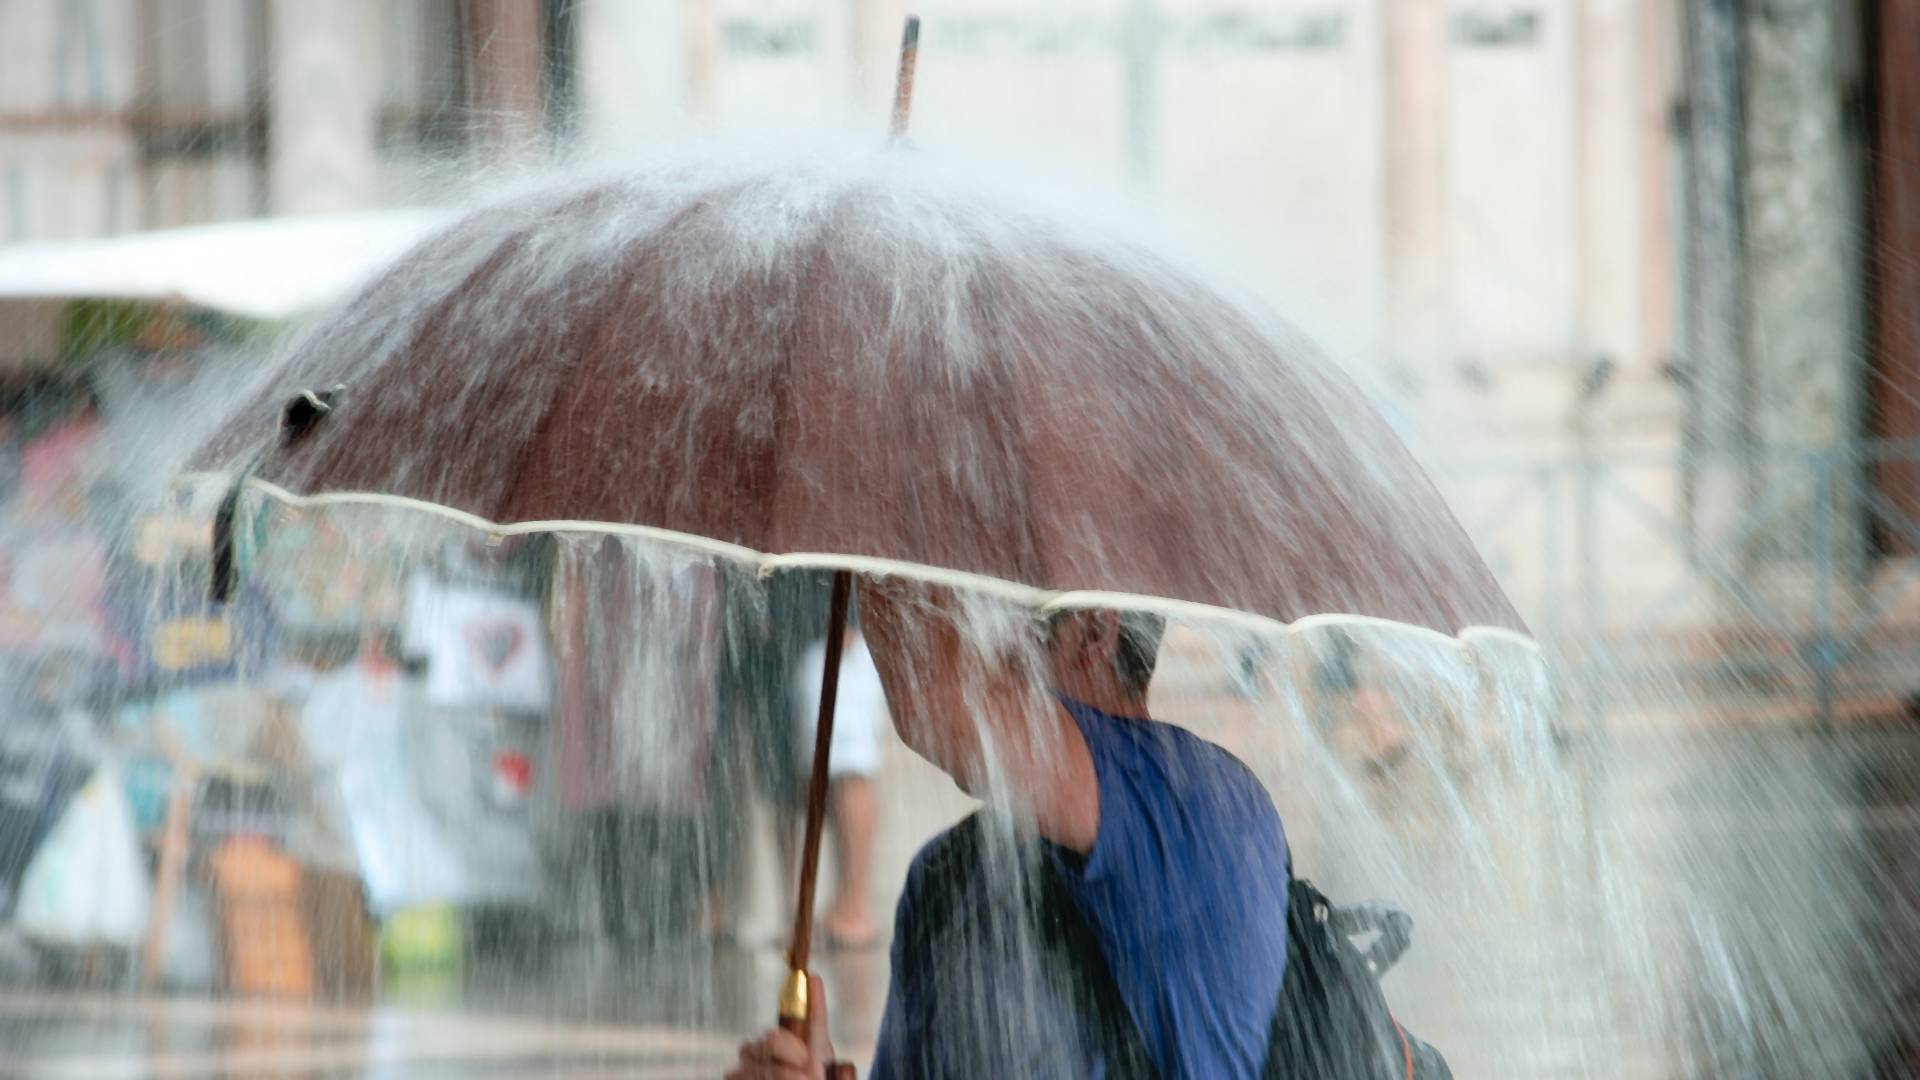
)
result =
(1584, 906)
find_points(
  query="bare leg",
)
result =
(851, 809)
(787, 828)
(606, 831)
(726, 829)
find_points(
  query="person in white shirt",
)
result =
(859, 727)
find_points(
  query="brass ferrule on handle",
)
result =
(793, 997)
(794, 1017)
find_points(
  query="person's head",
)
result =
(1103, 658)
(945, 691)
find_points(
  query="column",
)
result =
(1716, 360)
(632, 79)
(1414, 230)
(321, 143)
(1895, 377)
(506, 65)
(1803, 216)
(1607, 173)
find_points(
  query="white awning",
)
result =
(264, 269)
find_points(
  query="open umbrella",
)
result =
(857, 362)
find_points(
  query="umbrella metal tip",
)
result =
(903, 83)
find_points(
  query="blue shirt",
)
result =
(1185, 893)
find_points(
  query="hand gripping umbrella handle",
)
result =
(793, 996)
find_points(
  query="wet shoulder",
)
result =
(1192, 768)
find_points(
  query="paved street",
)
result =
(57, 1036)
(1707, 843)
(577, 1015)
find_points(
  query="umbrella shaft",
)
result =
(903, 81)
(817, 785)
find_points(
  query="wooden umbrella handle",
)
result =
(794, 1006)
(817, 784)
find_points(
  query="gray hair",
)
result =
(1138, 650)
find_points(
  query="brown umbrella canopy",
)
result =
(864, 358)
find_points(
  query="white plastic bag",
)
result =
(87, 885)
(356, 724)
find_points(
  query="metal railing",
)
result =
(1764, 576)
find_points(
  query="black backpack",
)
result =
(1331, 1022)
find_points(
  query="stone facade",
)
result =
(117, 115)
(67, 167)
(1442, 185)
(1483, 206)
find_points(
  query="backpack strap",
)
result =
(1332, 1020)
(1070, 954)
(954, 856)
(1066, 933)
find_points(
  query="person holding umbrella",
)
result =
(864, 367)
(1166, 845)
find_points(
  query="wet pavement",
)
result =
(578, 1011)
(580, 1014)
(47, 1036)
(572, 1008)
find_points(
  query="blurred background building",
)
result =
(1639, 273)
(1640, 279)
